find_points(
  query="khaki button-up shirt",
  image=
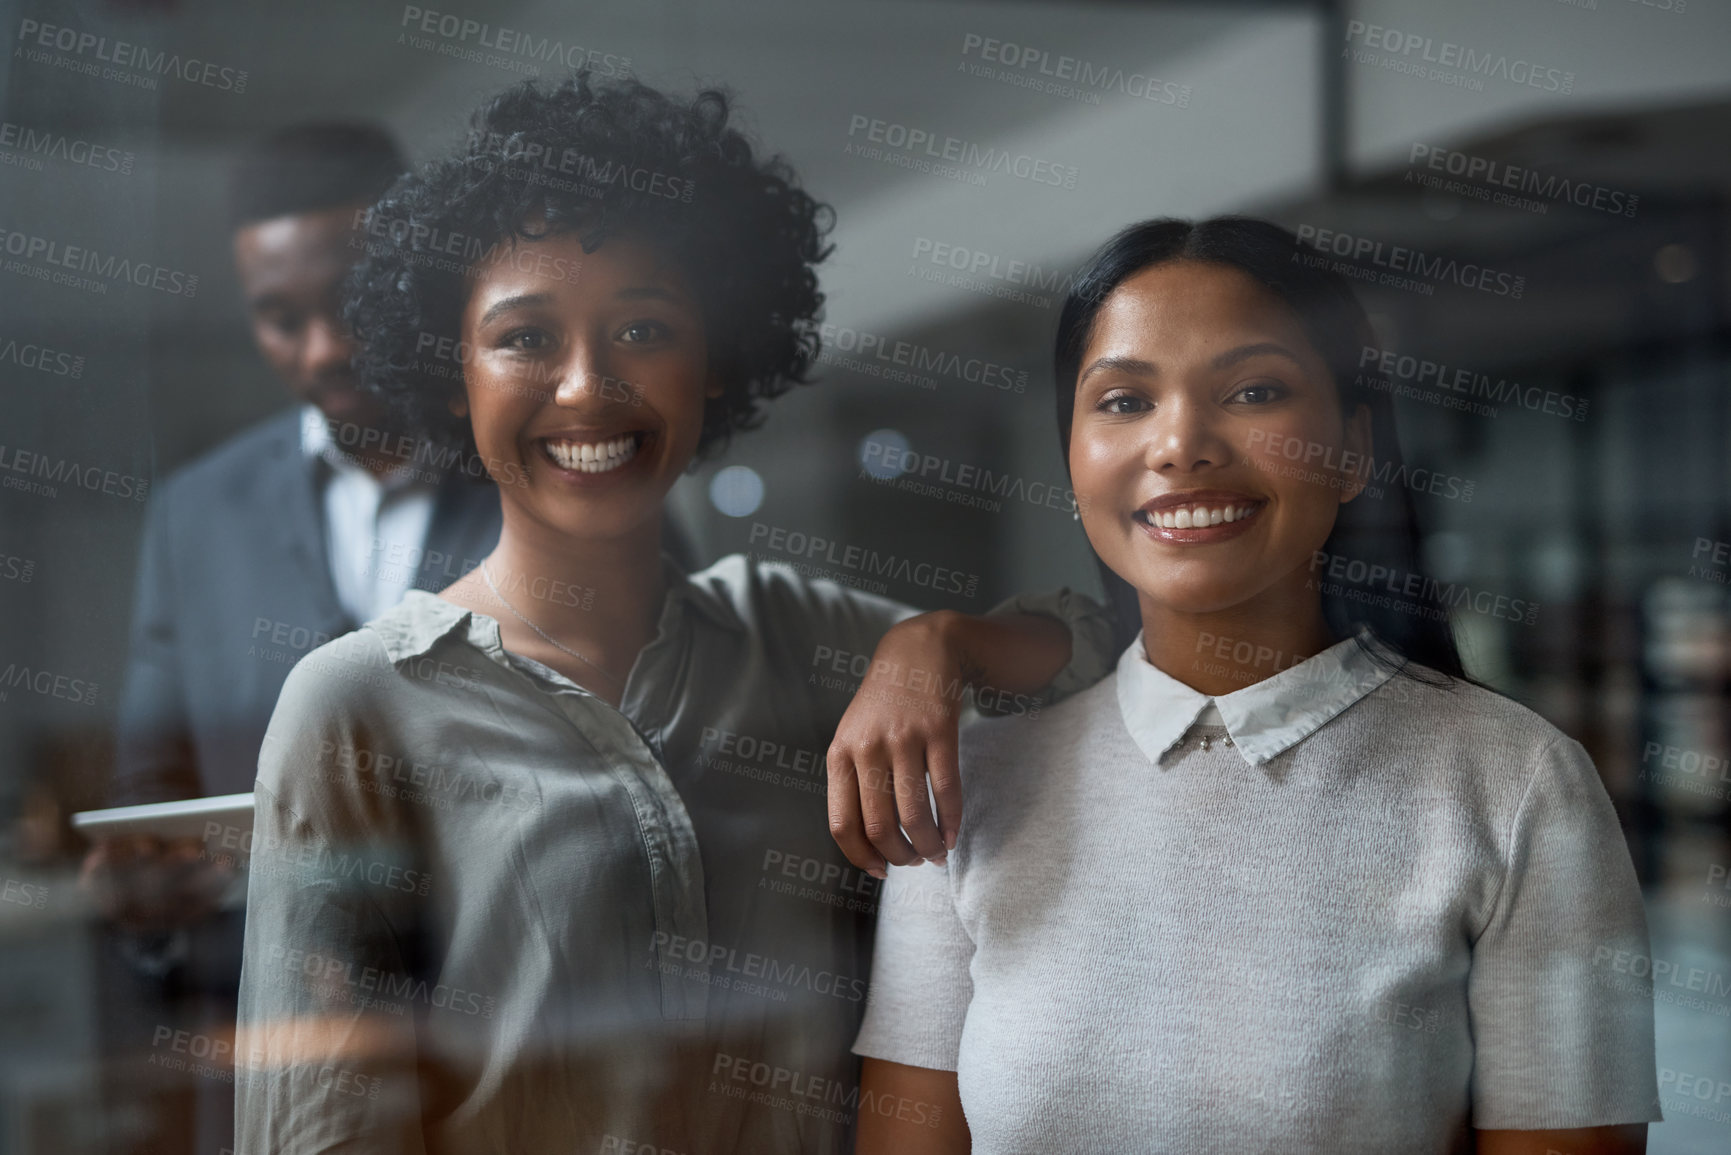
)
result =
(489, 912)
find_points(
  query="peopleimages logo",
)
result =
(990, 274)
(877, 139)
(718, 965)
(59, 471)
(1484, 179)
(47, 684)
(42, 358)
(1067, 76)
(802, 1094)
(454, 252)
(1398, 259)
(460, 32)
(36, 39)
(1458, 64)
(532, 160)
(880, 355)
(1421, 379)
(374, 987)
(33, 144)
(29, 247)
(1335, 572)
(863, 560)
(887, 464)
(1325, 464)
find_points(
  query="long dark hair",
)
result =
(1370, 531)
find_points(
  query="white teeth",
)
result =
(1198, 517)
(593, 456)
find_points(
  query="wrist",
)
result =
(959, 636)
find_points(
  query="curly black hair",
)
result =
(601, 158)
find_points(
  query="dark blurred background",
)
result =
(1590, 427)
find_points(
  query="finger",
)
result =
(96, 879)
(944, 766)
(913, 806)
(879, 810)
(96, 862)
(846, 821)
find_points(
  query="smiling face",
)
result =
(1195, 387)
(585, 376)
(291, 271)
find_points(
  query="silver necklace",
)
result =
(548, 638)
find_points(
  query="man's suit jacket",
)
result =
(234, 587)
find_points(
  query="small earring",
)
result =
(1075, 515)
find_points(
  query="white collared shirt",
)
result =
(370, 522)
(1390, 910)
(1264, 718)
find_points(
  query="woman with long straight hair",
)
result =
(1287, 880)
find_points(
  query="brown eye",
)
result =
(526, 340)
(643, 332)
(1259, 393)
(1122, 403)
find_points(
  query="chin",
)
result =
(345, 406)
(598, 517)
(1191, 594)
(1200, 606)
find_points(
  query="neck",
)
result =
(601, 598)
(1220, 651)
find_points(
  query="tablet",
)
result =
(223, 822)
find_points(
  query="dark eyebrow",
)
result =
(1244, 352)
(506, 304)
(649, 293)
(1132, 365)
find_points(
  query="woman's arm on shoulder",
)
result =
(1629, 1139)
(902, 722)
(910, 1111)
(902, 727)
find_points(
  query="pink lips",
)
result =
(1198, 517)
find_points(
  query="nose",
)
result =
(581, 376)
(329, 348)
(1185, 439)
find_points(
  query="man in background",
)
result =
(288, 534)
(306, 525)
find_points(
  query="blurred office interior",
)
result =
(1608, 522)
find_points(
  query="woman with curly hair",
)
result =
(542, 862)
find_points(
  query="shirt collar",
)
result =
(1264, 719)
(316, 443)
(421, 620)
